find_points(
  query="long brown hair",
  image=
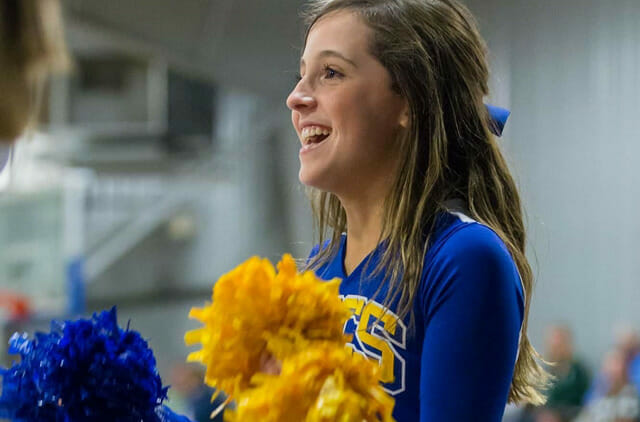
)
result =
(437, 61)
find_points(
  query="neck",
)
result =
(364, 226)
(364, 208)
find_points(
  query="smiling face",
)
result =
(344, 110)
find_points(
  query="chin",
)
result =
(305, 179)
(312, 179)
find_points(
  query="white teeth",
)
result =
(311, 131)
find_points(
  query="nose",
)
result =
(300, 99)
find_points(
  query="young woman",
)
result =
(424, 219)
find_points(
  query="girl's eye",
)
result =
(330, 73)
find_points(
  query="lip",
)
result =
(307, 124)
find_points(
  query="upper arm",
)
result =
(473, 307)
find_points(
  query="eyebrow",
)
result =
(332, 53)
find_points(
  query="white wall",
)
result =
(572, 72)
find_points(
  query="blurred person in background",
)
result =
(194, 398)
(31, 48)
(569, 385)
(628, 344)
(571, 378)
(620, 401)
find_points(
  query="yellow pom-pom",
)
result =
(323, 384)
(255, 310)
(296, 319)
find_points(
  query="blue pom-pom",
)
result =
(84, 370)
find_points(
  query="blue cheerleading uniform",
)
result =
(457, 363)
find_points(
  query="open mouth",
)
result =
(314, 135)
(315, 139)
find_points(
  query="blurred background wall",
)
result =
(570, 72)
(149, 200)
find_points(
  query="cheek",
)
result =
(349, 115)
(369, 121)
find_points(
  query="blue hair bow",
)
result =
(497, 118)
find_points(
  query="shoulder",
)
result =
(459, 237)
(471, 241)
(316, 249)
(469, 258)
(326, 266)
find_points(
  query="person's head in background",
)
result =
(615, 370)
(31, 48)
(559, 344)
(628, 342)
